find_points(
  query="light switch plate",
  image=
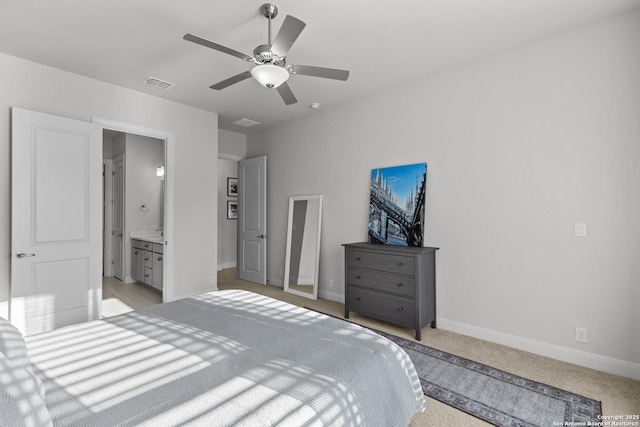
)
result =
(580, 229)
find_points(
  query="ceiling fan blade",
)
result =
(285, 92)
(231, 80)
(327, 73)
(216, 46)
(289, 32)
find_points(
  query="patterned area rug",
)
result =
(495, 396)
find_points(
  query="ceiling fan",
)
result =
(271, 69)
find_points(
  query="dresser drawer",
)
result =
(381, 261)
(401, 285)
(392, 308)
(137, 244)
(148, 259)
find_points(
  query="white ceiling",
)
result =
(382, 43)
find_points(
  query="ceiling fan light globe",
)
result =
(269, 75)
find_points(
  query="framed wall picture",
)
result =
(232, 187)
(232, 209)
(397, 205)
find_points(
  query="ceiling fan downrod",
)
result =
(270, 11)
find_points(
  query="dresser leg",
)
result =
(433, 324)
(346, 314)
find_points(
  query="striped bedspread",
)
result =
(220, 359)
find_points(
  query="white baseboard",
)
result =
(577, 357)
(228, 264)
(332, 296)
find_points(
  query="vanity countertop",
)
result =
(152, 237)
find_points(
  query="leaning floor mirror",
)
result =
(302, 255)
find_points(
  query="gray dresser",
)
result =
(396, 284)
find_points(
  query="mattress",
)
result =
(224, 358)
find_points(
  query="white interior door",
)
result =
(252, 220)
(56, 231)
(118, 218)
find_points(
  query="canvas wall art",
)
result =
(397, 205)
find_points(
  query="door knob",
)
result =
(262, 236)
(23, 255)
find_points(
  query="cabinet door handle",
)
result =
(146, 258)
(400, 285)
(399, 264)
(135, 253)
(357, 258)
(358, 277)
(147, 275)
(400, 309)
(358, 298)
(159, 258)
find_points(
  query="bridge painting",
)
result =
(396, 205)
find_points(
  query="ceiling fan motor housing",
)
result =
(263, 54)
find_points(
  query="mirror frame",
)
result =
(287, 262)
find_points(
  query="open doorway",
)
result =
(135, 226)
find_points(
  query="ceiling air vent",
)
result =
(152, 81)
(245, 122)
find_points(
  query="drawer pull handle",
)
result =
(358, 277)
(400, 285)
(400, 308)
(399, 264)
(357, 258)
(358, 298)
(159, 258)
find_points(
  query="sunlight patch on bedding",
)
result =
(88, 368)
(279, 390)
(254, 304)
(237, 400)
(44, 344)
(134, 383)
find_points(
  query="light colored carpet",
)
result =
(619, 395)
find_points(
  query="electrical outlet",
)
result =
(581, 335)
(331, 283)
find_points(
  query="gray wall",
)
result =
(232, 146)
(519, 147)
(26, 84)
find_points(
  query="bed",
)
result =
(221, 358)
